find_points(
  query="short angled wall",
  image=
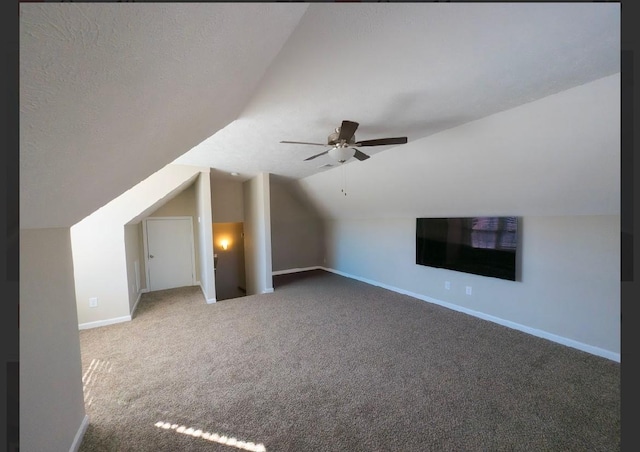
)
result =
(50, 389)
(100, 264)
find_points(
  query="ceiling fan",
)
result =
(343, 143)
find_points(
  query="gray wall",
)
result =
(297, 236)
(51, 397)
(570, 274)
(257, 235)
(227, 199)
(227, 211)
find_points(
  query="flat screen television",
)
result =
(484, 246)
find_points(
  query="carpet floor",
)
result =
(326, 363)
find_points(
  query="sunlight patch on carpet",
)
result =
(214, 437)
(96, 369)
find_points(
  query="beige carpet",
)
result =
(326, 363)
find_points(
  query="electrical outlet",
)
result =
(447, 285)
(93, 302)
(468, 290)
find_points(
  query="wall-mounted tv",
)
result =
(480, 245)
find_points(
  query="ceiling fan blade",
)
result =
(382, 141)
(360, 155)
(317, 155)
(304, 142)
(347, 130)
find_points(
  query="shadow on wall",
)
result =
(228, 248)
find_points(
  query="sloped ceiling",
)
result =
(410, 69)
(111, 93)
(557, 156)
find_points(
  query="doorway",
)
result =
(169, 252)
(228, 249)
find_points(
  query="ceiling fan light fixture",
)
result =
(342, 153)
(344, 141)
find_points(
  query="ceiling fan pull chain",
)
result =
(344, 179)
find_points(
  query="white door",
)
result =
(170, 253)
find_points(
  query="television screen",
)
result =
(480, 245)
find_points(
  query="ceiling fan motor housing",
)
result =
(333, 138)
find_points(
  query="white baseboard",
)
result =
(77, 440)
(268, 290)
(509, 324)
(135, 305)
(295, 270)
(96, 324)
(208, 300)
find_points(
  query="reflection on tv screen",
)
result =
(480, 245)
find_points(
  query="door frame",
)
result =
(146, 246)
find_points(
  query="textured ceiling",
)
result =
(409, 69)
(110, 93)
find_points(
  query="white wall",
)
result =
(143, 264)
(134, 268)
(257, 235)
(524, 160)
(51, 396)
(99, 260)
(570, 267)
(297, 236)
(205, 236)
(98, 245)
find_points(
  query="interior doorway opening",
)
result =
(228, 254)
